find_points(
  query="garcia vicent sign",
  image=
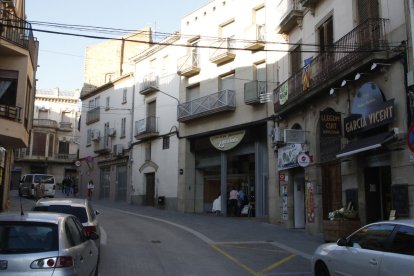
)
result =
(227, 141)
(369, 110)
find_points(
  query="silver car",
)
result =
(79, 207)
(381, 248)
(38, 243)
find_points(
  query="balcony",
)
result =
(65, 126)
(253, 90)
(10, 112)
(18, 32)
(309, 3)
(149, 84)
(292, 18)
(66, 157)
(146, 128)
(353, 52)
(188, 65)
(255, 36)
(45, 123)
(215, 103)
(222, 51)
(93, 115)
(103, 146)
(24, 154)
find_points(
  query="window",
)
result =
(228, 30)
(39, 144)
(63, 147)
(295, 60)
(166, 142)
(65, 117)
(373, 237)
(43, 114)
(193, 92)
(227, 82)
(94, 103)
(124, 95)
(325, 33)
(8, 87)
(89, 137)
(123, 127)
(107, 103)
(72, 232)
(51, 144)
(403, 242)
(148, 152)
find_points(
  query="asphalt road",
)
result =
(139, 240)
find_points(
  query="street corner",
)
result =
(264, 258)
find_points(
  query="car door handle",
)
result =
(373, 262)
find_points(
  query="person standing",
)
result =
(233, 199)
(91, 186)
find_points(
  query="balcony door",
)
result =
(227, 82)
(367, 9)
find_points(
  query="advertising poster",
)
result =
(285, 203)
(310, 204)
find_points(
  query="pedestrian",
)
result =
(233, 199)
(91, 186)
(75, 188)
(40, 190)
(217, 205)
(241, 199)
(68, 186)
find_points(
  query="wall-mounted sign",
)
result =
(288, 156)
(330, 123)
(410, 138)
(310, 203)
(369, 110)
(303, 159)
(227, 141)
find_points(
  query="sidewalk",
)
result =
(216, 228)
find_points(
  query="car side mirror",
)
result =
(342, 242)
(97, 212)
(93, 236)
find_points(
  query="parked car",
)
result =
(381, 248)
(79, 207)
(38, 243)
(29, 185)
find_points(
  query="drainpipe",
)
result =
(130, 146)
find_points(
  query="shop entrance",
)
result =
(299, 200)
(377, 193)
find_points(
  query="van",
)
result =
(30, 182)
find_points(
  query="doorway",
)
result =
(299, 200)
(377, 193)
(121, 176)
(150, 189)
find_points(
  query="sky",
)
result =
(61, 57)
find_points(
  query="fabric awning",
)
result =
(365, 144)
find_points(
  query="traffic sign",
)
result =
(77, 163)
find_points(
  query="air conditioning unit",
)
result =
(118, 150)
(277, 135)
(95, 135)
(294, 136)
(111, 132)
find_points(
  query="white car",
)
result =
(30, 182)
(381, 248)
(37, 243)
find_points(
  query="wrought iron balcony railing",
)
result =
(10, 112)
(188, 65)
(363, 42)
(18, 32)
(221, 51)
(65, 126)
(149, 84)
(218, 102)
(93, 115)
(45, 123)
(103, 145)
(255, 36)
(146, 128)
(253, 90)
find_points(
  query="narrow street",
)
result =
(138, 240)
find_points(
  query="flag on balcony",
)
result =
(307, 71)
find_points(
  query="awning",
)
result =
(365, 144)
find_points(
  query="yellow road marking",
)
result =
(245, 267)
(270, 267)
(253, 248)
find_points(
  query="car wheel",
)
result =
(321, 269)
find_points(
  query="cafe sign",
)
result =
(369, 110)
(227, 141)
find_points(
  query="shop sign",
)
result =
(410, 138)
(284, 93)
(288, 156)
(227, 141)
(285, 203)
(368, 110)
(330, 123)
(303, 159)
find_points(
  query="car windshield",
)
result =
(79, 212)
(28, 237)
(48, 179)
